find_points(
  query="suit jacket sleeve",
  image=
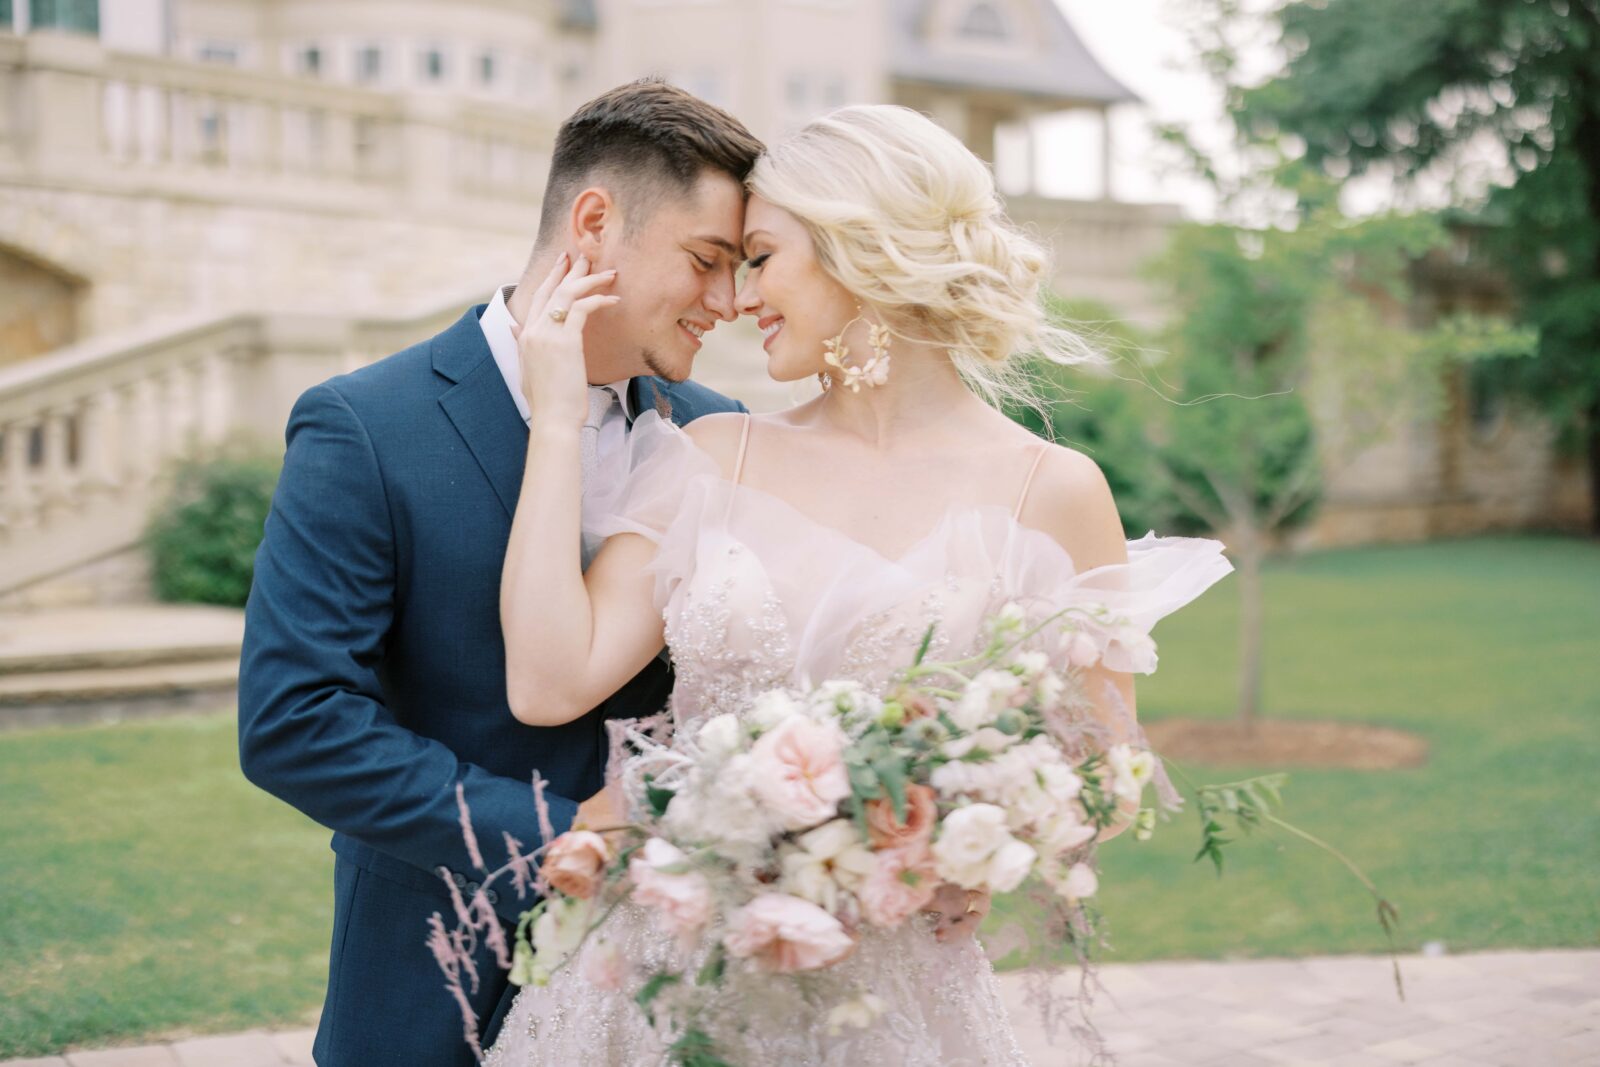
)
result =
(313, 727)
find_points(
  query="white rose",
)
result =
(720, 736)
(839, 845)
(1064, 831)
(1059, 782)
(984, 698)
(1027, 803)
(771, 708)
(1009, 865)
(968, 837)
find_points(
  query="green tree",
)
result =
(1412, 88)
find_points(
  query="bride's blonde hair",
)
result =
(907, 219)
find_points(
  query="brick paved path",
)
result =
(1500, 1009)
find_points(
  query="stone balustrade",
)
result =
(89, 433)
(76, 116)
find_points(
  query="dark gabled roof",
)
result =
(1062, 70)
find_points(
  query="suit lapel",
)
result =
(480, 407)
(647, 393)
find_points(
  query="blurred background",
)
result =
(1343, 256)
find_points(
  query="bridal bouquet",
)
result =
(777, 838)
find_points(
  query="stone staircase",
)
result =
(103, 664)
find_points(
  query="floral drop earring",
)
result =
(873, 373)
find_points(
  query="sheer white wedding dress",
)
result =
(755, 595)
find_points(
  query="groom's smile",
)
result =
(675, 275)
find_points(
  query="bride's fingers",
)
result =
(578, 313)
(575, 286)
(541, 295)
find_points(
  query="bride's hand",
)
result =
(550, 343)
(599, 812)
(959, 911)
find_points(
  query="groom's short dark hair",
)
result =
(645, 139)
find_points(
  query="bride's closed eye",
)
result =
(755, 262)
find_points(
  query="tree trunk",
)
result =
(1248, 553)
(1591, 433)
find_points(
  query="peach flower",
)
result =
(885, 831)
(902, 883)
(797, 771)
(786, 934)
(681, 898)
(575, 862)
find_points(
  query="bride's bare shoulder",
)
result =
(1071, 500)
(717, 435)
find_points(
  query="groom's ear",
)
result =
(594, 213)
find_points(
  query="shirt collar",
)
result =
(496, 323)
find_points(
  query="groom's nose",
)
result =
(719, 296)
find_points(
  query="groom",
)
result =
(372, 681)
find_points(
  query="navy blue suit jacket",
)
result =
(372, 680)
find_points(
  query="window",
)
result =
(310, 61)
(7, 18)
(75, 16)
(431, 65)
(213, 52)
(486, 68)
(369, 64)
(984, 21)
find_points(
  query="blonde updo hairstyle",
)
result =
(907, 219)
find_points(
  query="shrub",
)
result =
(202, 539)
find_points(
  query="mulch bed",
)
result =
(1287, 743)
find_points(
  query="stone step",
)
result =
(116, 638)
(57, 698)
(107, 683)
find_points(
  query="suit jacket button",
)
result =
(471, 887)
(442, 871)
(492, 897)
(459, 879)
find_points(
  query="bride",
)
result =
(820, 542)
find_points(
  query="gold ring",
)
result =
(558, 314)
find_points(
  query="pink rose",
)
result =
(885, 831)
(681, 899)
(797, 771)
(903, 882)
(787, 934)
(574, 863)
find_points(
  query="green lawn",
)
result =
(1488, 648)
(145, 886)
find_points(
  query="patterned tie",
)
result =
(601, 397)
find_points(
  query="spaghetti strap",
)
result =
(1027, 483)
(744, 443)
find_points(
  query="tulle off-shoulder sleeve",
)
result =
(647, 487)
(1113, 608)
